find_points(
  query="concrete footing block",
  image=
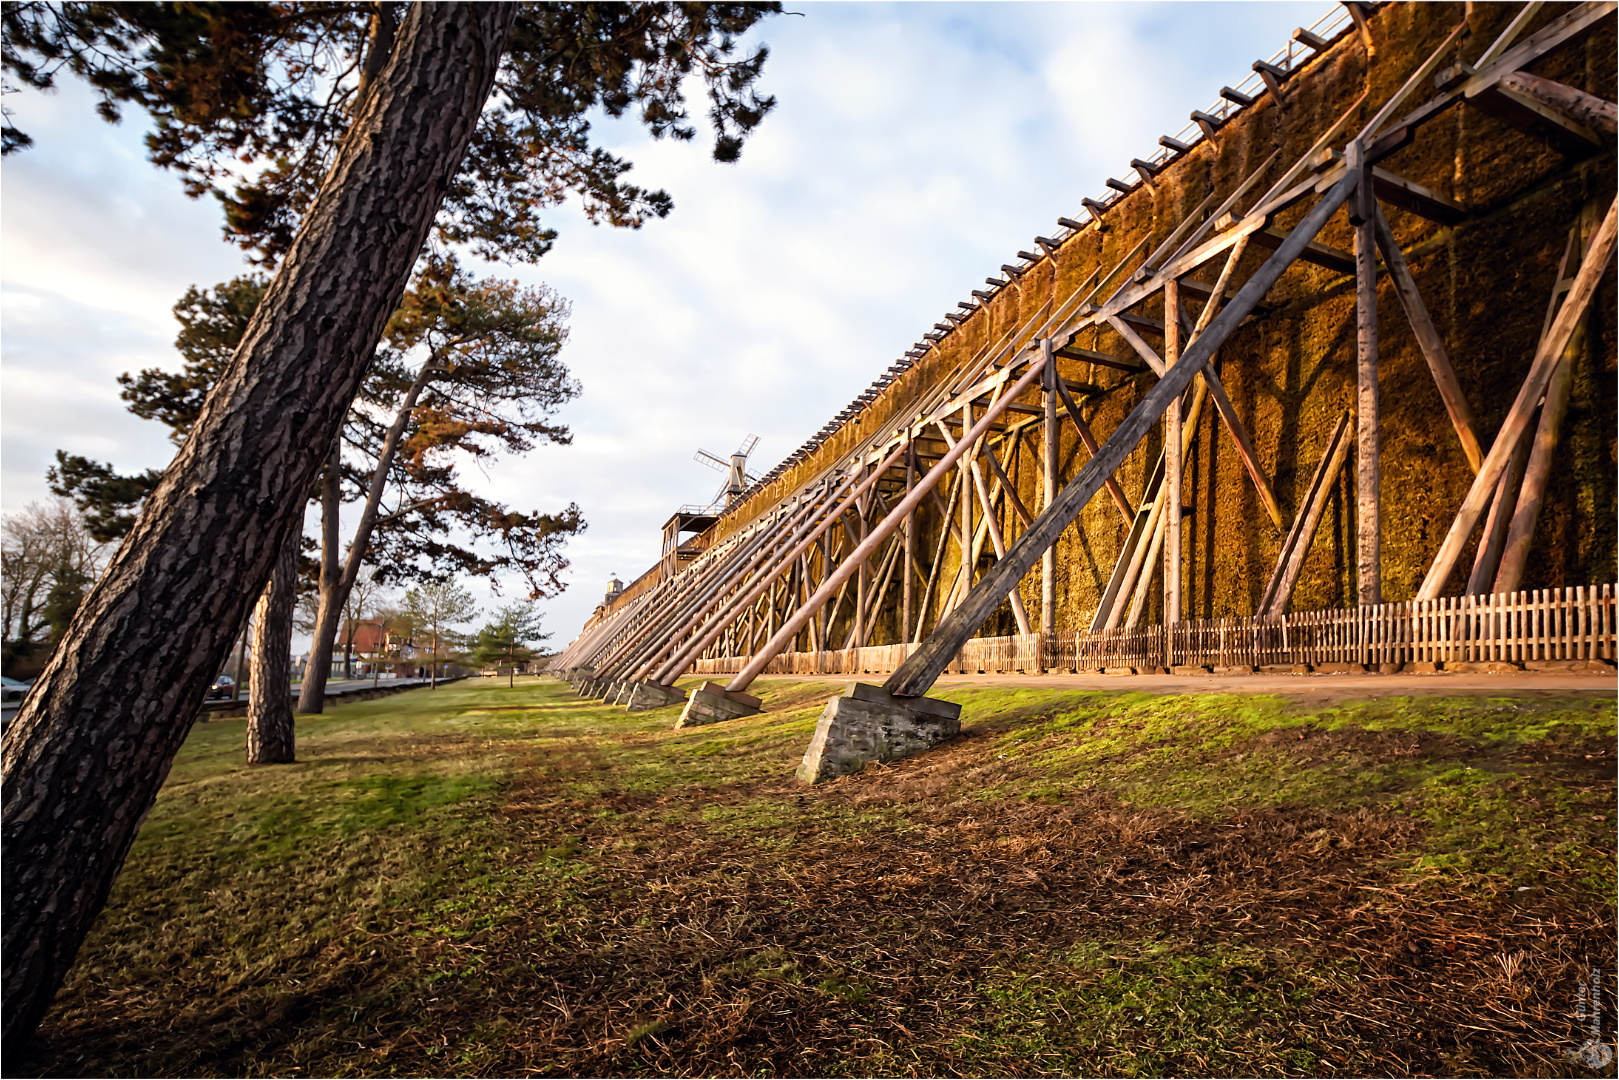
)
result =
(711, 703)
(865, 723)
(651, 695)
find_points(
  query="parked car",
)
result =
(11, 689)
(222, 688)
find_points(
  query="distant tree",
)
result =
(358, 605)
(435, 608)
(467, 368)
(392, 626)
(508, 637)
(361, 135)
(48, 559)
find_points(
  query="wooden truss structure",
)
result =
(920, 533)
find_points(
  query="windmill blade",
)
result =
(711, 461)
(747, 445)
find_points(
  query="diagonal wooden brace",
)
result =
(917, 675)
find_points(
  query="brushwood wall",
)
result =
(1290, 370)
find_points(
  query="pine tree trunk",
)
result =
(269, 705)
(333, 596)
(86, 754)
(312, 693)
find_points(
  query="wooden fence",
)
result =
(1575, 623)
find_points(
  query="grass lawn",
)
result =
(482, 880)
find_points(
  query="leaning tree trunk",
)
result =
(87, 752)
(269, 707)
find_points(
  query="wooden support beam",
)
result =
(910, 544)
(1209, 123)
(1273, 77)
(1228, 413)
(1433, 349)
(1088, 437)
(1487, 557)
(1534, 117)
(1522, 410)
(1368, 471)
(1309, 40)
(1589, 112)
(1320, 254)
(1515, 549)
(1514, 558)
(945, 531)
(1048, 473)
(1173, 464)
(1361, 13)
(1091, 356)
(919, 672)
(1125, 567)
(1509, 35)
(1290, 560)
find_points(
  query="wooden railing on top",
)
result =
(1575, 623)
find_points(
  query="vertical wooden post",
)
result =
(966, 538)
(1048, 558)
(862, 576)
(1173, 462)
(909, 569)
(1368, 532)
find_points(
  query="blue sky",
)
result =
(916, 147)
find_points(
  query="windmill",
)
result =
(737, 478)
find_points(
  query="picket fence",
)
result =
(1574, 623)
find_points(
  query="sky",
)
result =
(915, 148)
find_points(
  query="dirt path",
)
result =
(1315, 687)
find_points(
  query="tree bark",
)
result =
(89, 749)
(269, 706)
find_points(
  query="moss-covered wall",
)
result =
(1290, 371)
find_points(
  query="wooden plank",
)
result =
(1518, 417)
(938, 559)
(1433, 348)
(918, 673)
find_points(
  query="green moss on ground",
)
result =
(485, 880)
